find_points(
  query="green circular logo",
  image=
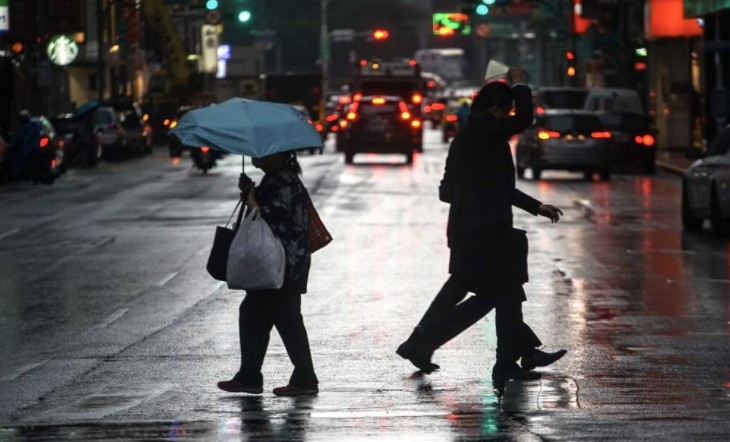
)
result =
(62, 49)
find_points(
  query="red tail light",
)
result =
(451, 118)
(547, 134)
(438, 106)
(404, 113)
(44, 141)
(173, 123)
(53, 163)
(353, 111)
(205, 149)
(319, 127)
(416, 124)
(166, 122)
(357, 97)
(332, 117)
(378, 101)
(343, 124)
(603, 135)
(540, 110)
(345, 99)
(647, 140)
(417, 98)
(427, 108)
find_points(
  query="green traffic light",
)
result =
(489, 2)
(211, 4)
(244, 16)
(482, 10)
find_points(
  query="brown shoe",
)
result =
(233, 386)
(291, 390)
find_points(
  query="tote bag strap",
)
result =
(240, 214)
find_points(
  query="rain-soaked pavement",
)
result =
(110, 328)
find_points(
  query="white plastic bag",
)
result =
(256, 259)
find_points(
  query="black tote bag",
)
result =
(218, 259)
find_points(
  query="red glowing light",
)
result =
(205, 149)
(44, 141)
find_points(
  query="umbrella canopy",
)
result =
(247, 127)
(86, 108)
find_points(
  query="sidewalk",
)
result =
(673, 162)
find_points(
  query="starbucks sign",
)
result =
(62, 49)
(4, 16)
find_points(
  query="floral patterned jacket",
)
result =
(285, 208)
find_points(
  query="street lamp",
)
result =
(244, 16)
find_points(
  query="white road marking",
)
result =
(9, 233)
(111, 318)
(108, 401)
(166, 279)
(23, 370)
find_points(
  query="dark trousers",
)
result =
(450, 314)
(261, 311)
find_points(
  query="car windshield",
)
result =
(568, 123)
(625, 122)
(564, 99)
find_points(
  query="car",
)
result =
(303, 110)
(50, 145)
(379, 124)
(706, 187)
(614, 100)
(434, 109)
(633, 139)
(174, 144)
(450, 122)
(135, 132)
(560, 98)
(66, 127)
(565, 140)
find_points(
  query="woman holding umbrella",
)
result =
(270, 133)
(284, 205)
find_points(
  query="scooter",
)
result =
(204, 158)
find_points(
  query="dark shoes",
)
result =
(512, 372)
(234, 386)
(291, 390)
(541, 359)
(418, 357)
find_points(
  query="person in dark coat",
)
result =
(488, 256)
(284, 205)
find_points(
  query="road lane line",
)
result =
(166, 279)
(108, 401)
(111, 318)
(9, 233)
(23, 370)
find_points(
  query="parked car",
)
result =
(136, 133)
(50, 146)
(706, 187)
(175, 145)
(379, 124)
(634, 140)
(566, 140)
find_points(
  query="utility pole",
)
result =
(324, 42)
(100, 77)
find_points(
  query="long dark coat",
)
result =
(479, 184)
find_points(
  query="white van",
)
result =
(614, 100)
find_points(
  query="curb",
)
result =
(670, 168)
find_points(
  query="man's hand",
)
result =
(515, 76)
(244, 182)
(550, 212)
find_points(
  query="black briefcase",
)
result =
(218, 259)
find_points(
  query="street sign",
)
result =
(209, 48)
(343, 35)
(213, 17)
(4, 16)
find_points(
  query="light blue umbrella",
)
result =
(247, 127)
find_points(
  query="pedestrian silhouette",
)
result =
(488, 255)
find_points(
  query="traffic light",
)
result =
(478, 7)
(570, 56)
(211, 5)
(244, 16)
(380, 34)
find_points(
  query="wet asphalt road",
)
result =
(112, 330)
